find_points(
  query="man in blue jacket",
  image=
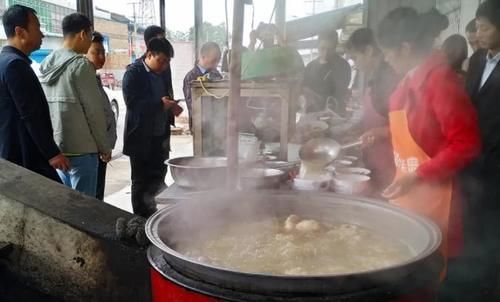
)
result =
(26, 134)
(147, 127)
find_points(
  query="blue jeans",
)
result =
(82, 176)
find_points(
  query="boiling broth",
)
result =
(297, 247)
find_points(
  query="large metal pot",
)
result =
(204, 214)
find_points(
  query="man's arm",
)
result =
(168, 83)
(29, 101)
(91, 100)
(110, 117)
(186, 88)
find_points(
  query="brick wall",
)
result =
(118, 57)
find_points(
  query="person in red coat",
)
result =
(432, 124)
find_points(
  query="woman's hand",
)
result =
(401, 186)
(371, 136)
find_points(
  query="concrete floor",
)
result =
(118, 174)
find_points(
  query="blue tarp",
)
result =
(40, 54)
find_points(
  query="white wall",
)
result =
(467, 12)
(182, 62)
(52, 43)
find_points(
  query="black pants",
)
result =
(101, 179)
(148, 177)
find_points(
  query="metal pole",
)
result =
(162, 14)
(280, 18)
(198, 26)
(86, 7)
(234, 94)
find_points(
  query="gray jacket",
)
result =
(110, 116)
(75, 102)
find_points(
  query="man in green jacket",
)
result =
(75, 103)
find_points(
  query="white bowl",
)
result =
(351, 184)
(352, 170)
(350, 158)
(304, 184)
(342, 163)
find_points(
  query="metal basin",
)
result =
(209, 173)
(198, 172)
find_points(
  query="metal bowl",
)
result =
(259, 178)
(198, 172)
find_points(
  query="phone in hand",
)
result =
(177, 109)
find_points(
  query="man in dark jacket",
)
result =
(328, 76)
(26, 134)
(155, 31)
(147, 128)
(482, 179)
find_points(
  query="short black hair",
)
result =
(97, 37)
(161, 45)
(74, 23)
(152, 32)
(331, 36)
(456, 51)
(361, 39)
(406, 25)
(208, 47)
(16, 15)
(471, 26)
(491, 11)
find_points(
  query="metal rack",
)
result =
(210, 104)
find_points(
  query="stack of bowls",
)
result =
(351, 184)
(304, 184)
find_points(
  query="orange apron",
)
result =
(432, 200)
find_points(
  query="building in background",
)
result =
(123, 40)
(115, 28)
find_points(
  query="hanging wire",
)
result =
(252, 56)
(227, 24)
(270, 20)
(225, 94)
(272, 13)
(253, 15)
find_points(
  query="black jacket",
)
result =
(167, 77)
(26, 134)
(329, 80)
(487, 102)
(141, 109)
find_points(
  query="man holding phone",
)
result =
(147, 128)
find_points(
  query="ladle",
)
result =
(324, 150)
